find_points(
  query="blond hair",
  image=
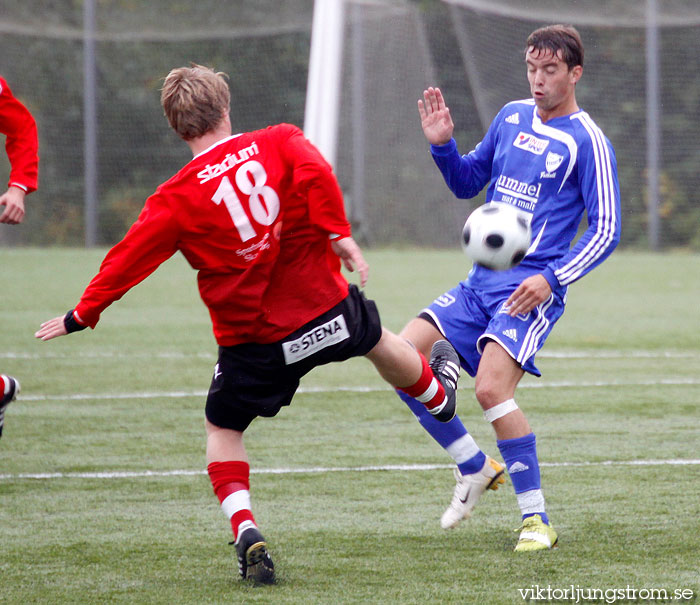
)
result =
(195, 99)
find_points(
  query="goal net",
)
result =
(474, 51)
(391, 50)
(263, 46)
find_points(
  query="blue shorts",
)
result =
(468, 318)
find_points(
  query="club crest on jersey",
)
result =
(320, 337)
(553, 161)
(530, 143)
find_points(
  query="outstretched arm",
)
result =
(51, 329)
(59, 326)
(435, 117)
(150, 241)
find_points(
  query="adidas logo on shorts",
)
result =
(511, 333)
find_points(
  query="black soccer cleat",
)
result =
(444, 362)
(8, 396)
(254, 562)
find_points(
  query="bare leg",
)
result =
(422, 334)
(396, 360)
(224, 444)
(496, 379)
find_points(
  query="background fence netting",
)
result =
(392, 50)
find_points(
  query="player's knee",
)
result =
(421, 334)
(488, 393)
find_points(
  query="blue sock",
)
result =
(452, 436)
(520, 456)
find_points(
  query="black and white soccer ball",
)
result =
(497, 236)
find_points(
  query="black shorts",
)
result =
(253, 379)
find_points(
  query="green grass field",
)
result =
(103, 496)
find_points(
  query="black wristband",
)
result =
(70, 323)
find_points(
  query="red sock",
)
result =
(427, 390)
(231, 484)
(2, 387)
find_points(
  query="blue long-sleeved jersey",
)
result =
(553, 171)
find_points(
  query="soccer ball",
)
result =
(496, 236)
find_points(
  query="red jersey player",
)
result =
(260, 216)
(18, 125)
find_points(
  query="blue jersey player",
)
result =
(547, 157)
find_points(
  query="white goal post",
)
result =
(325, 74)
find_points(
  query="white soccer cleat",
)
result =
(469, 489)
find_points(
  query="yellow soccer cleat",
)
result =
(535, 534)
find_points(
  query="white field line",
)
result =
(555, 354)
(90, 354)
(325, 469)
(355, 389)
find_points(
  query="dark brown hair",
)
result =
(558, 38)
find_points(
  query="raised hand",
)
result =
(435, 117)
